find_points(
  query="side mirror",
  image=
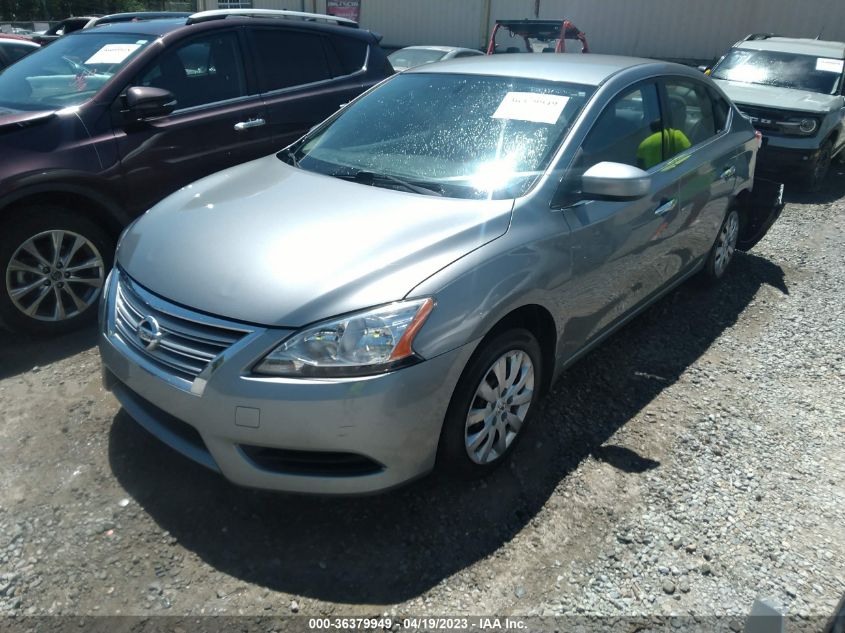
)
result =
(146, 102)
(615, 181)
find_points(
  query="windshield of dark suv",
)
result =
(783, 70)
(69, 71)
(461, 136)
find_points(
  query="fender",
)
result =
(66, 182)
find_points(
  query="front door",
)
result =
(617, 247)
(218, 121)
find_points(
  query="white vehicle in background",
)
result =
(792, 90)
(411, 56)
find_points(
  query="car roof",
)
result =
(445, 49)
(163, 26)
(17, 38)
(819, 48)
(587, 69)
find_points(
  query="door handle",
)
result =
(666, 207)
(728, 173)
(245, 125)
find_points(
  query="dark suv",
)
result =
(103, 123)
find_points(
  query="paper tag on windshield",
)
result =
(830, 65)
(531, 106)
(112, 54)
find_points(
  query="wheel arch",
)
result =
(89, 203)
(540, 322)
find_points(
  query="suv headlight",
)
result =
(363, 343)
(802, 126)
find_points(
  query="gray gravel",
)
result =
(693, 463)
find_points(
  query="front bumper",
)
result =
(390, 422)
(776, 158)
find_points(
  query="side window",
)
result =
(289, 58)
(691, 113)
(205, 70)
(627, 131)
(720, 112)
(351, 52)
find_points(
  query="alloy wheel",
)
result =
(55, 275)
(726, 244)
(498, 409)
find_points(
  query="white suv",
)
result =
(792, 90)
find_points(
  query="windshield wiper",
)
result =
(291, 157)
(372, 178)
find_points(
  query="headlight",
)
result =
(800, 125)
(369, 342)
(808, 126)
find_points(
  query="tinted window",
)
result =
(720, 111)
(352, 53)
(206, 70)
(690, 111)
(289, 58)
(69, 71)
(629, 131)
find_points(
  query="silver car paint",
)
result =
(590, 266)
(314, 254)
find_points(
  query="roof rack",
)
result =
(222, 14)
(754, 37)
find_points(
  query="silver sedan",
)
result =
(396, 290)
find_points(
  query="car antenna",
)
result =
(819, 36)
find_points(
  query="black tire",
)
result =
(78, 289)
(725, 246)
(453, 455)
(814, 179)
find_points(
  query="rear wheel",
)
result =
(493, 402)
(723, 250)
(53, 265)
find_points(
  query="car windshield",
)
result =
(67, 72)
(409, 57)
(783, 70)
(461, 136)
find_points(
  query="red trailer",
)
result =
(545, 32)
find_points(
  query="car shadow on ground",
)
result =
(393, 547)
(20, 353)
(833, 189)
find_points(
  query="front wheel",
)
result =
(492, 404)
(814, 179)
(53, 264)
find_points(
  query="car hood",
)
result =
(267, 243)
(780, 98)
(11, 119)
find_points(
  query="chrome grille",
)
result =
(189, 341)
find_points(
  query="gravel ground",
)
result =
(692, 463)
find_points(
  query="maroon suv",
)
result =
(103, 123)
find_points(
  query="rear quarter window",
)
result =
(351, 52)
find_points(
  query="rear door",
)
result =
(706, 161)
(305, 76)
(217, 122)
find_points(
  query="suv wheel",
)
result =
(493, 402)
(814, 178)
(53, 265)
